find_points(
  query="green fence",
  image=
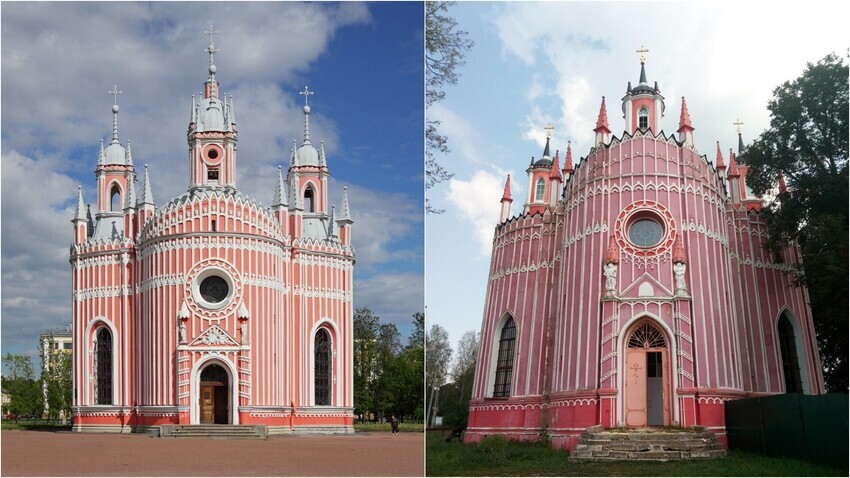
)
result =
(808, 427)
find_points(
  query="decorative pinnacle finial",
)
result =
(211, 49)
(642, 51)
(549, 128)
(115, 92)
(306, 94)
(738, 124)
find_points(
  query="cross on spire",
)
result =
(115, 92)
(642, 51)
(306, 94)
(738, 124)
(211, 49)
(549, 129)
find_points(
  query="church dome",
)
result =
(115, 154)
(211, 115)
(307, 155)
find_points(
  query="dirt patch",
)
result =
(40, 453)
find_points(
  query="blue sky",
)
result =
(540, 62)
(363, 61)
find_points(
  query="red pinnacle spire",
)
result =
(507, 195)
(612, 255)
(679, 256)
(733, 166)
(555, 172)
(568, 162)
(720, 164)
(602, 120)
(685, 118)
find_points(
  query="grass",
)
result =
(385, 427)
(510, 458)
(33, 424)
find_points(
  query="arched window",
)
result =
(322, 367)
(541, 188)
(647, 336)
(505, 360)
(788, 348)
(308, 200)
(115, 199)
(643, 119)
(103, 367)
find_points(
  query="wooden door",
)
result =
(635, 381)
(207, 403)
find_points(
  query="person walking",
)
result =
(394, 424)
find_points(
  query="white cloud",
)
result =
(393, 297)
(477, 202)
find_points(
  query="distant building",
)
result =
(53, 341)
(634, 290)
(213, 308)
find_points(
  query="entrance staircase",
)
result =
(658, 444)
(255, 432)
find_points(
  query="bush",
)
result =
(495, 445)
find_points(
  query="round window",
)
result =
(214, 289)
(213, 154)
(645, 233)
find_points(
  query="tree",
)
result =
(445, 47)
(24, 391)
(454, 397)
(438, 354)
(56, 379)
(365, 359)
(807, 145)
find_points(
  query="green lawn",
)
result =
(537, 459)
(33, 424)
(385, 427)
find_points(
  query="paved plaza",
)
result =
(41, 453)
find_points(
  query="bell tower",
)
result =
(643, 105)
(212, 134)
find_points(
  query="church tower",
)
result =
(542, 181)
(115, 181)
(643, 105)
(212, 135)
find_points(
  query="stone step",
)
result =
(259, 432)
(646, 444)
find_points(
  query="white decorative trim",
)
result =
(214, 335)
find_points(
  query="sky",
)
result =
(363, 61)
(535, 63)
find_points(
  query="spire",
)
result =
(331, 222)
(568, 161)
(294, 196)
(102, 156)
(306, 94)
(642, 51)
(115, 94)
(130, 202)
(231, 115)
(555, 173)
(292, 154)
(193, 112)
(679, 256)
(738, 124)
(211, 49)
(602, 119)
(685, 118)
(733, 167)
(719, 164)
(322, 161)
(346, 212)
(280, 194)
(89, 221)
(506, 196)
(79, 215)
(147, 195)
(129, 154)
(612, 255)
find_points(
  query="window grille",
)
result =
(647, 336)
(505, 360)
(541, 188)
(322, 364)
(103, 382)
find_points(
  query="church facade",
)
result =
(212, 308)
(633, 290)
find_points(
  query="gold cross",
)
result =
(738, 123)
(549, 129)
(642, 50)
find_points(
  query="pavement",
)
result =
(50, 453)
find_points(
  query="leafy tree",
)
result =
(455, 396)
(24, 391)
(438, 354)
(56, 379)
(365, 359)
(445, 47)
(807, 144)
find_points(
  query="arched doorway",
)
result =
(647, 376)
(214, 397)
(788, 349)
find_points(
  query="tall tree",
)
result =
(807, 144)
(438, 356)
(365, 359)
(56, 378)
(445, 47)
(24, 391)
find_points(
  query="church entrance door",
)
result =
(647, 377)
(214, 397)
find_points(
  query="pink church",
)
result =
(212, 308)
(633, 290)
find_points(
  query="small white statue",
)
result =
(679, 272)
(182, 331)
(244, 329)
(610, 278)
